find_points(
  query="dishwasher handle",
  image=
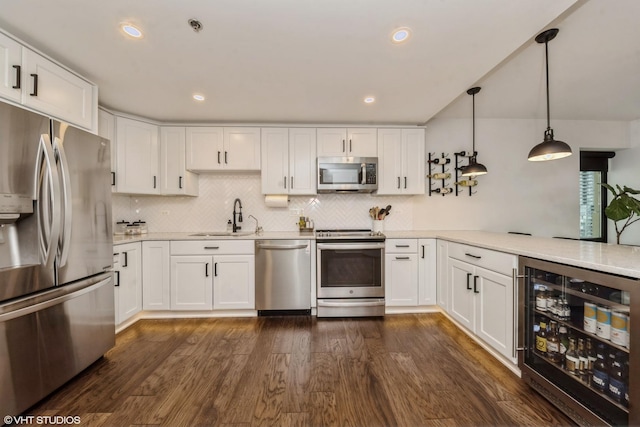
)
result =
(281, 247)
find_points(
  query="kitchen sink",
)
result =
(222, 233)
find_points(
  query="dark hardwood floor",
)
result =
(403, 370)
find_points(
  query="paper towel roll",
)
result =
(276, 201)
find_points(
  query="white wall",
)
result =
(516, 195)
(624, 169)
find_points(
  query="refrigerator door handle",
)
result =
(47, 193)
(67, 212)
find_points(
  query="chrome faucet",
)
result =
(239, 213)
(258, 228)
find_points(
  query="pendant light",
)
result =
(473, 168)
(549, 148)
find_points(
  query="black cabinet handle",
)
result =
(291, 182)
(343, 149)
(113, 178)
(402, 258)
(402, 246)
(422, 251)
(405, 182)
(350, 150)
(473, 256)
(206, 270)
(398, 182)
(18, 77)
(117, 274)
(468, 282)
(35, 85)
(285, 181)
(215, 269)
(475, 285)
(179, 182)
(212, 247)
(126, 259)
(218, 157)
(225, 158)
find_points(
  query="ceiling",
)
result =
(306, 61)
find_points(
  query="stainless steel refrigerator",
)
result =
(56, 255)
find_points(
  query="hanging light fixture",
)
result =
(549, 148)
(474, 168)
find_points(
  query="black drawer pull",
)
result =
(402, 246)
(218, 157)
(215, 269)
(206, 270)
(117, 274)
(126, 259)
(475, 285)
(113, 178)
(472, 255)
(468, 281)
(212, 247)
(179, 182)
(402, 258)
(422, 251)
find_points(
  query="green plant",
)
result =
(622, 207)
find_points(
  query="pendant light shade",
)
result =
(473, 168)
(550, 148)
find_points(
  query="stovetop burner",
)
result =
(349, 234)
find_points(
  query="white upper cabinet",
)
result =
(174, 178)
(288, 161)
(30, 79)
(107, 129)
(137, 157)
(401, 161)
(10, 69)
(351, 142)
(217, 148)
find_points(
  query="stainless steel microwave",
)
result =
(347, 174)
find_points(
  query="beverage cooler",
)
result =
(576, 342)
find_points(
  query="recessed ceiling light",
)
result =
(369, 100)
(401, 35)
(132, 31)
(198, 97)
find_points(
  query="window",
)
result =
(593, 196)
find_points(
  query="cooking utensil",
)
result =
(381, 214)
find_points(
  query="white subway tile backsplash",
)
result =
(214, 206)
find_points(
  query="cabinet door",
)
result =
(401, 279)
(11, 69)
(58, 92)
(332, 142)
(427, 272)
(275, 160)
(494, 311)
(137, 153)
(242, 149)
(302, 161)
(461, 292)
(390, 161)
(362, 142)
(443, 290)
(107, 129)
(234, 282)
(156, 275)
(191, 282)
(174, 178)
(413, 161)
(205, 148)
(129, 289)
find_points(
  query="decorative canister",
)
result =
(619, 322)
(603, 324)
(590, 317)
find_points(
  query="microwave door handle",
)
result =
(363, 173)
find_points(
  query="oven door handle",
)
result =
(350, 246)
(343, 303)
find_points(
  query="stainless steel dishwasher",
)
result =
(283, 277)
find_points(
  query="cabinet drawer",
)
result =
(401, 246)
(499, 262)
(211, 247)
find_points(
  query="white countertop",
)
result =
(617, 259)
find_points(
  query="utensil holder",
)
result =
(378, 226)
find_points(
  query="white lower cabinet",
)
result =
(156, 270)
(401, 272)
(128, 280)
(481, 294)
(212, 274)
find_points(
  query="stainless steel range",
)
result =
(350, 273)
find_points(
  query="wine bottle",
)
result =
(467, 183)
(440, 161)
(441, 175)
(467, 153)
(442, 190)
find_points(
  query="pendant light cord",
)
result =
(473, 103)
(546, 56)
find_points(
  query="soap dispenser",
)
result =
(229, 226)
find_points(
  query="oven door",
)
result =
(350, 270)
